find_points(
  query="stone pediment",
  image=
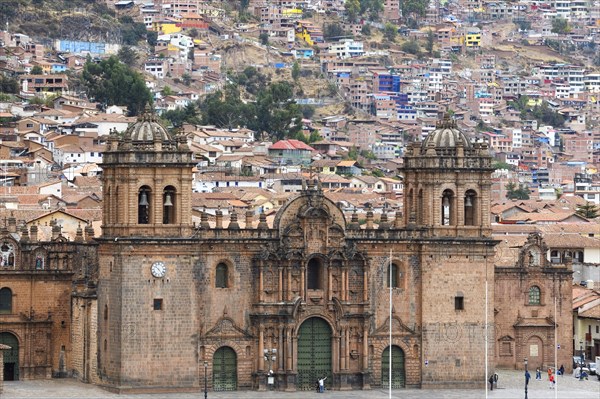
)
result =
(226, 328)
(534, 322)
(398, 328)
(506, 338)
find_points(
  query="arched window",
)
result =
(314, 278)
(169, 205)
(419, 208)
(5, 301)
(395, 276)
(470, 208)
(447, 208)
(144, 201)
(534, 295)
(221, 276)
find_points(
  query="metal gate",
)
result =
(398, 374)
(224, 370)
(314, 354)
(11, 356)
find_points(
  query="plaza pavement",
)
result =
(510, 385)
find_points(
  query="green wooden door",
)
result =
(314, 354)
(398, 374)
(11, 356)
(224, 370)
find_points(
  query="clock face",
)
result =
(158, 269)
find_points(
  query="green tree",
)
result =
(414, 8)
(560, 26)
(334, 32)
(501, 165)
(37, 70)
(371, 8)
(390, 31)
(517, 192)
(8, 85)
(587, 210)
(295, 71)
(111, 82)
(352, 9)
(411, 47)
(366, 30)
(263, 38)
(186, 78)
(128, 56)
(152, 37)
(430, 41)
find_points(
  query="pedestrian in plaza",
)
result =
(538, 374)
(322, 384)
(491, 380)
(549, 373)
(527, 377)
(552, 381)
(561, 370)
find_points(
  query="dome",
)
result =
(446, 136)
(148, 129)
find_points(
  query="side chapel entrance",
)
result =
(11, 356)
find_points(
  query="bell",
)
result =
(468, 201)
(144, 199)
(168, 201)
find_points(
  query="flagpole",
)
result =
(555, 353)
(486, 335)
(390, 357)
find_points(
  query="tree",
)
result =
(560, 26)
(186, 78)
(412, 9)
(333, 32)
(151, 37)
(295, 71)
(517, 192)
(8, 85)
(128, 56)
(411, 47)
(353, 9)
(111, 82)
(587, 210)
(366, 30)
(263, 38)
(390, 31)
(37, 70)
(371, 8)
(430, 42)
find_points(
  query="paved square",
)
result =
(510, 385)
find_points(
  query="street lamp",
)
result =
(270, 356)
(526, 379)
(205, 369)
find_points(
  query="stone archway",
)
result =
(11, 356)
(225, 369)
(534, 352)
(314, 353)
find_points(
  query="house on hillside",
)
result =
(291, 152)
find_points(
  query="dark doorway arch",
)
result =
(314, 353)
(11, 356)
(398, 370)
(225, 369)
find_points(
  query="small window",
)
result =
(221, 276)
(395, 276)
(459, 302)
(5, 301)
(158, 303)
(534, 295)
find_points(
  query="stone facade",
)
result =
(533, 307)
(156, 301)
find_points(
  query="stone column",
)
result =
(261, 346)
(280, 284)
(260, 282)
(2, 349)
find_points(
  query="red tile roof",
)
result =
(290, 144)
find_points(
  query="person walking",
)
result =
(538, 374)
(491, 380)
(552, 382)
(322, 384)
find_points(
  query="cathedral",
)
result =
(154, 302)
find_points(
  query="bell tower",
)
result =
(147, 177)
(447, 182)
